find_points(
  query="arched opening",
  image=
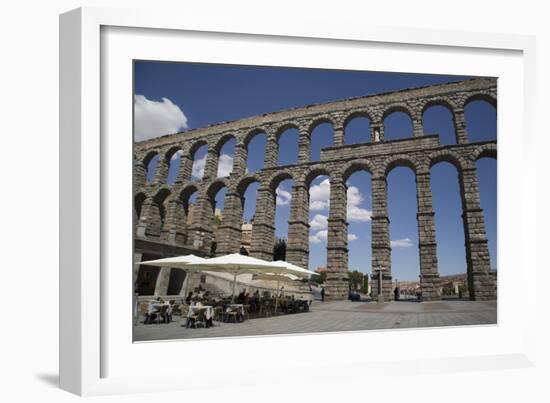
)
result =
(487, 182)
(357, 130)
(397, 125)
(438, 119)
(449, 227)
(199, 162)
(481, 120)
(288, 146)
(283, 193)
(358, 216)
(151, 162)
(255, 152)
(173, 158)
(225, 157)
(248, 200)
(402, 209)
(321, 137)
(319, 201)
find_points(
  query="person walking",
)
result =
(323, 294)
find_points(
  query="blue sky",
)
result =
(170, 97)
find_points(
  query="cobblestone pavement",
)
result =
(337, 316)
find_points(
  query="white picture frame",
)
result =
(94, 361)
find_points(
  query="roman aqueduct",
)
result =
(161, 208)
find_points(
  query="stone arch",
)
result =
(276, 179)
(222, 140)
(243, 184)
(399, 161)
(284, 127)
(172, 171)
(149, 156)
(147, 162)
(319, 120)
(445, 102)
(195, 147)
(354, 166)
(314, 173)
(480, 96)
(409, 114)
(361, 113)
(253, 133)
(214, 188)
(247, 139)
(401, 107)
(185, 194)
(447, 156)
(486, 150)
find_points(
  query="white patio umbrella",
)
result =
(239, 264)
(292, 270)
(180, 262)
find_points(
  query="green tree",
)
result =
(279, 249)
(355, 279)
(365, 288)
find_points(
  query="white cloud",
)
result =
(283, 197)
(154, 119)
(225, 165)
(354, 212)
(198, 167)
(319, 222)
(319, 237)
(402, 243)
(352, 237)
(319, 196)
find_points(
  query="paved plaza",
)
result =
(337, 316)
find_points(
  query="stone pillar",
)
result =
(161, 171)
(481, 283)
(263, 229)
(337, 243)
(427, 246)
(304, 142)
(297, 251)
(381, 249)
(200, 233)
(239, 161)
(338, 135)
(229, 232)
(141, 228)
(140, 175)
(417, 126)
(138, 257)
(377, 127)
(211, 165)
(161, 287)
(186, 167)
(271, 151)
(460, 126)
(174, 229)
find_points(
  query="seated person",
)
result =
(240, 297)
(188, 299)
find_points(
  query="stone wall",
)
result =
(161, 208)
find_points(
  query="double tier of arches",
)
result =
(168, 182)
